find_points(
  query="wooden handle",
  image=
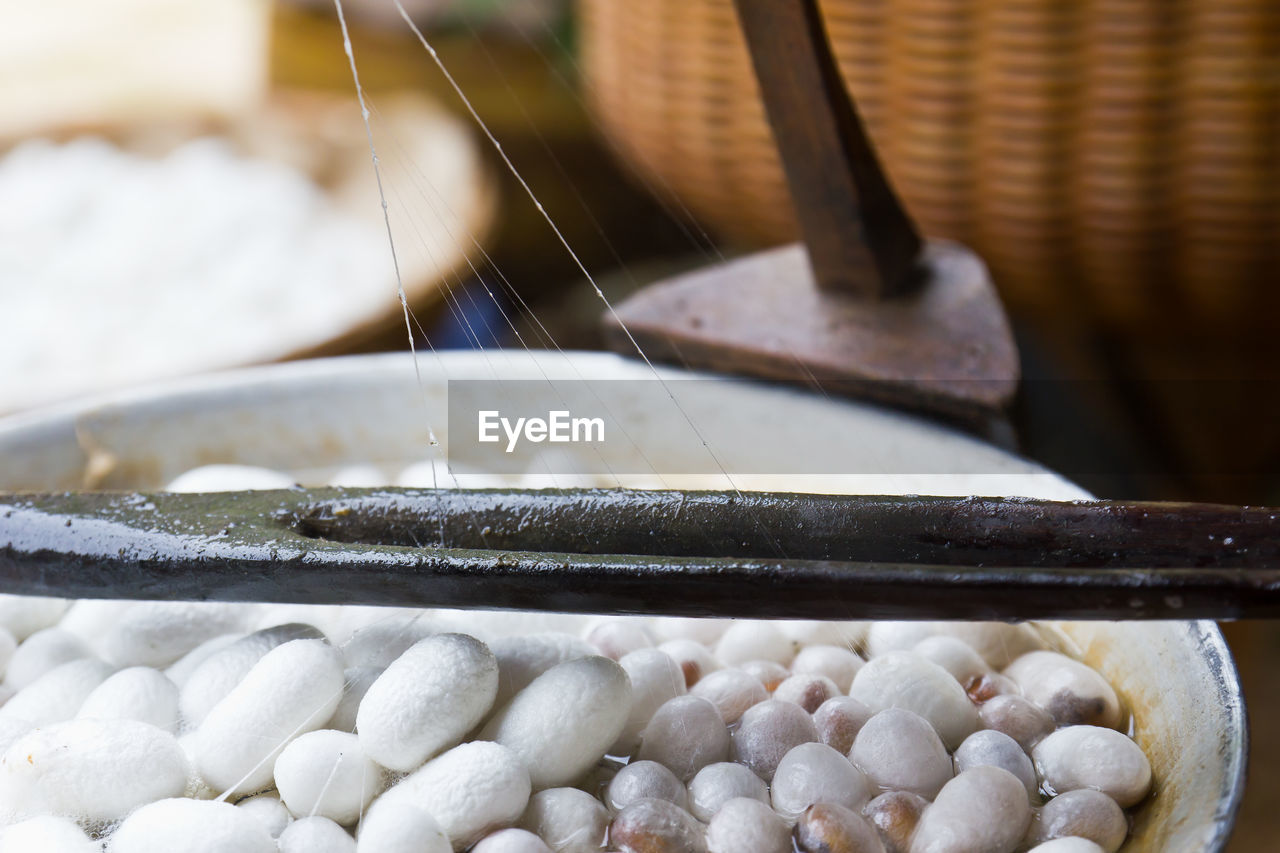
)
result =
(859, 236)
(787, 556)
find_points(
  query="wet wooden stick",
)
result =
(679, 553)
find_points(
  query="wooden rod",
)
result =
(680, 553)
(859, 236)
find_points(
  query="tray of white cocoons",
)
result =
(139, 727)
(160, 253)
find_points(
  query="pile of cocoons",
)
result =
(161, 267)
(175, 727)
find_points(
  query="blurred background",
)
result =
(187, 186)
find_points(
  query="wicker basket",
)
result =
(1118, 156)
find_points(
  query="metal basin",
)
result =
(311, 418)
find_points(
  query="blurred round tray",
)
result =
(441, 201)
(440, 193)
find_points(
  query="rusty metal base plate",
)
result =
(944, 348)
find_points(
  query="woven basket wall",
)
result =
(1121, 156)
